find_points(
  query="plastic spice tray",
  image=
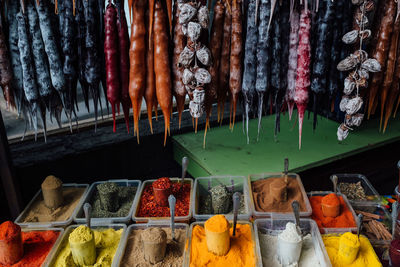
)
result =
(274, 226)
(233, 183)
(183, 219)
(371, 193)
(124, 242)
(24, 213)
(186, 261)
(261, 214)
(375, 208)
(56, 244)
(95, 226)
(80, 217)
(325, 230)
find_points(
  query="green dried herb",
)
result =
(353, 191)
(219, 201)
(111, 200)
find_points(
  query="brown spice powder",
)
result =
(134, 256)
(40, 213)
(264, 200)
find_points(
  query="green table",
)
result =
(227, 153)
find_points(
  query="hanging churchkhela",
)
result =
(195, 57)
(359, 66)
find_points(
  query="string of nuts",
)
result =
(195, 57)
(359, 66)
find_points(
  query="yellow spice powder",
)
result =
(366, 255)
(241, 253)
(106, 241)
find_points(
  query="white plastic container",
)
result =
(325, 230)
(183, 219)
(80, 216)
(124, 242)
(24, 213)
(261, 214)
(233, 183)
(49, 262)
(274, 226)
(186, 261)
(371, 193)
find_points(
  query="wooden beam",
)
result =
(28, 152)
(7, 176)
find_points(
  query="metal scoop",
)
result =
(359, 224)
(172, 202)
(394, 217)
(335, 181)
(236, 202)
(185, 163)
(87, 208)
(296, 212)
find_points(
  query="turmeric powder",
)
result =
(241, 253)
(217, 235)
(366, 255)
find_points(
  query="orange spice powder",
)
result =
(344, 220)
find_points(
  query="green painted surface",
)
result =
(227, 153)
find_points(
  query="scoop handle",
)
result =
(87, 208)
(172, 202)
(334, 181)
(359, 224)
(394, 217)
(296, 211)
(185, 163)
(286, 166)
(236, 202)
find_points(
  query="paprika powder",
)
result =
(344, 220)
(148, 207)
(11, 250)
(36, 246)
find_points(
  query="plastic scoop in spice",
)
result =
(290, 241)
(330, 205)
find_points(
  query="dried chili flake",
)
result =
(149, 208)
(162, 183)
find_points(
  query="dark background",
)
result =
(149, 159)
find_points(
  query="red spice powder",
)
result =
(149, 208)
(331, 200)
(37, 244)
(162, 183)
(344, 220)
(9, 230)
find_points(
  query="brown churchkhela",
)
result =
(215, 45)
(137, 52)
(235, 79)
(161, 65)
(381, 51)
(394, 89)
(224, 66)
(179, 45)
(390, 67)
(150, 91)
